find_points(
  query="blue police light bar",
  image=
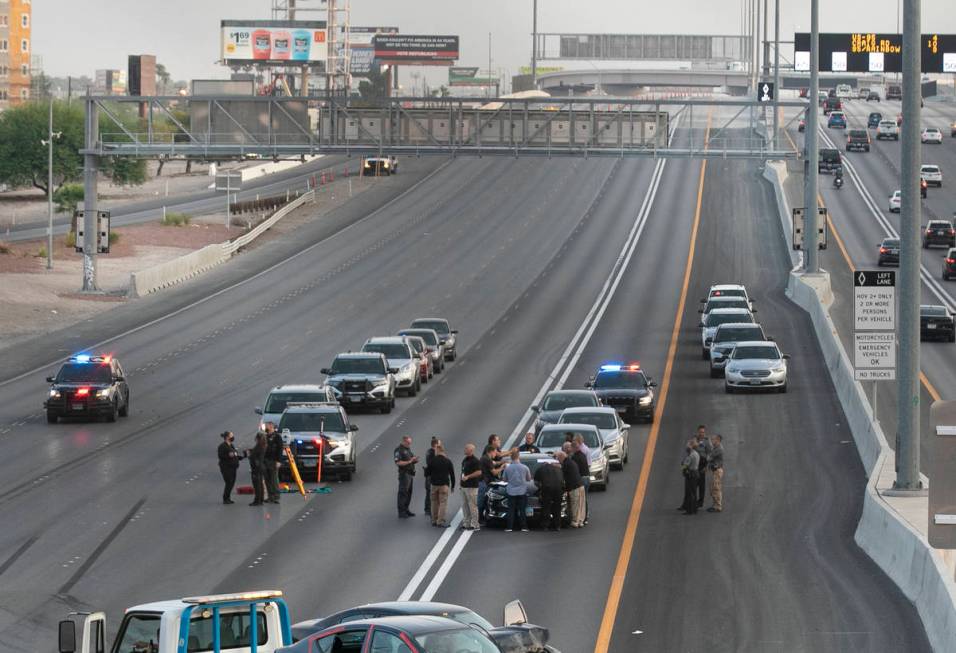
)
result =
(611, 368)
(82, 358)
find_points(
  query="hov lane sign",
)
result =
(875, 356)
(765, 92)
(874, 300)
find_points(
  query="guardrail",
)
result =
(185, 267)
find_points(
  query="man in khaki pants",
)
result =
(470, 477)
(441, 473)
(574, 487)
(716, 464)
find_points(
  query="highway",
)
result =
(548, 268)
(861, 219)
(199, 203)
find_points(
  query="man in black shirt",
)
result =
(441, 473)
(274, 447)
(490, 471)
(405, 461)
(229, 459)
(574, 487)
(528, 445)
(550, 481)
(584, 467)
(470, 479)
(429, 455)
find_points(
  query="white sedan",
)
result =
(931, 135)
(756, 365)
(896, 201)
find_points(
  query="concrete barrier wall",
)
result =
(776, 173)
(900, 550)
(185, 267)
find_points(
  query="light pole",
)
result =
(810, 238)
(49, 192)
(534, 44)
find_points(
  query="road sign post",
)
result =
(228, 181)
(874, 322)
(765, 92)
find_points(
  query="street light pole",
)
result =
(49, 191)
(534, 44)
(908, 389)
(811, 137)
(776, 73)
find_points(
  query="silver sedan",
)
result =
(756, 365)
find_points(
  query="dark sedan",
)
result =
(497, 506)
(949, 264)
(936, 323)
(626, 388)
(873, 120)
(889, 252)
(457, 613)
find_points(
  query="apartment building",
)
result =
(15, 49)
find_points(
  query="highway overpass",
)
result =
(625, 82)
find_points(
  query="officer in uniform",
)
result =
(405, 461)
(273, 456)
(229, 458)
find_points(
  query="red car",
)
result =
(425, 371)
(804, 91)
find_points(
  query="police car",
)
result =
(88, 386)
(311, 428)
(626, 389)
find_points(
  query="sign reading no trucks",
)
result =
(875, 356)
(874, 300)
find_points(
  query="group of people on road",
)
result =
(565, 474)
(703, 453)
(264, 458)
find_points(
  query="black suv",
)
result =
(949, 264)
(626, 389)
(88, 386)
(936, 323)
(362, 379)
(889, 252)
(830, 160)
(857, 139)
(939, 232)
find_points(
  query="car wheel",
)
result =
(625, 456)
(124, 411)
(714, 372)
(51, 417)
(114, 411)
(387, 408)
(438, 367)
(952, 337)
(650, 417)
(729, 389)
(704, 353)
(346, 475)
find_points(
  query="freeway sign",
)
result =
(765, 92)
(874, 300)
(875, 356)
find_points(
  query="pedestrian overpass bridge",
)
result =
(625, 81)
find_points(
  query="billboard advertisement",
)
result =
(273, 41)
(869, 52)
(415, 49)
(468, 76)
(362, 51)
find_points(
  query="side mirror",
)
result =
(769, 338)
(67, 636)
(325, 371)
(534, 409)
(455, 331)
(625, 426)
(753, 310)
(121, 378)
(393, 370)
(353, 427)
(786, 357)
(652, 384)
(700, 310)
(52, 379)
(515, 614)
(258, 410)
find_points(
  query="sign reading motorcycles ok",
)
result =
(874, 300)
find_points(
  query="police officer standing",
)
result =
(257, 466)
(689, 466)
(716, 464)
(429, 455)
(405, 461)
(229, 458)
(703, 450)
(273, 456)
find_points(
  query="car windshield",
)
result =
(562, 400)
(716, 319)
(930, 168)
(85, 373)
(357, 366)
(456, 641)
(738, 334)
(279, 400)
(620, 380)
(468, 617)
(887, 123)
(392, 351)
(439, 326)
(554, 438)
(725, 302)
(732, 292)
(417, 344)
(755, 352)
(933, 311)
(891, 243)
(600, 420)
(936, 224)
(324, 421)
(429, 336)
(857, 133)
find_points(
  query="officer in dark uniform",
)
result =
(429, 456)
(273, 456)
(405, 461)
(550, 481)
(257, 465)
(229, 458)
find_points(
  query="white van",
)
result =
(844, 91)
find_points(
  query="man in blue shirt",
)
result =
(517, 475)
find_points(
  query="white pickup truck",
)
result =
(215, 623)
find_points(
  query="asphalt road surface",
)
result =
(548, 269)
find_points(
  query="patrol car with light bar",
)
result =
(89, 386)
(626, 388)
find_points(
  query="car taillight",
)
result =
(950, 261)
(883, 250)
(952, 232)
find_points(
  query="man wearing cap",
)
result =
(229, 458)
(405, 462)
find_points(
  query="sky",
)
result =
(75, 37)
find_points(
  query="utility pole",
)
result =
(811, 137)
(534, 44)
(49, 190)
(766, 44)
(908, 390)
(776, 73)
(90, 163)
(489, 59)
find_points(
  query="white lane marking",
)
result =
(934, 287)
(638, 632)
(238, 284)
(581, 338)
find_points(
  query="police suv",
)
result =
(314, 428)
(88, 386)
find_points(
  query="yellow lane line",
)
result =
(627, 545)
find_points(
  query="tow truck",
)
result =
(214, 623)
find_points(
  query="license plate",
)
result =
(354, 398)
(754, 382)
(79, 406)
(621, 409)
(529, 512)
(307, 463)
(930, 326)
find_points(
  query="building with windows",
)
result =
(15, 50)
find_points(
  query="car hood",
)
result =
(72, 385)
(336, 378)
(621, 392)
(526, 638)
(756, 363)
(595, 454)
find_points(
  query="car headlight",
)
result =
(645, 401)
(55, 394)
(102, 394)
(779, 369)
(381, 384)
(733, 369)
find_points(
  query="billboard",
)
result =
(869, 52)
(362, 51)
(273, 42)
(109, 82)
(468, 76)
(416, 49)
